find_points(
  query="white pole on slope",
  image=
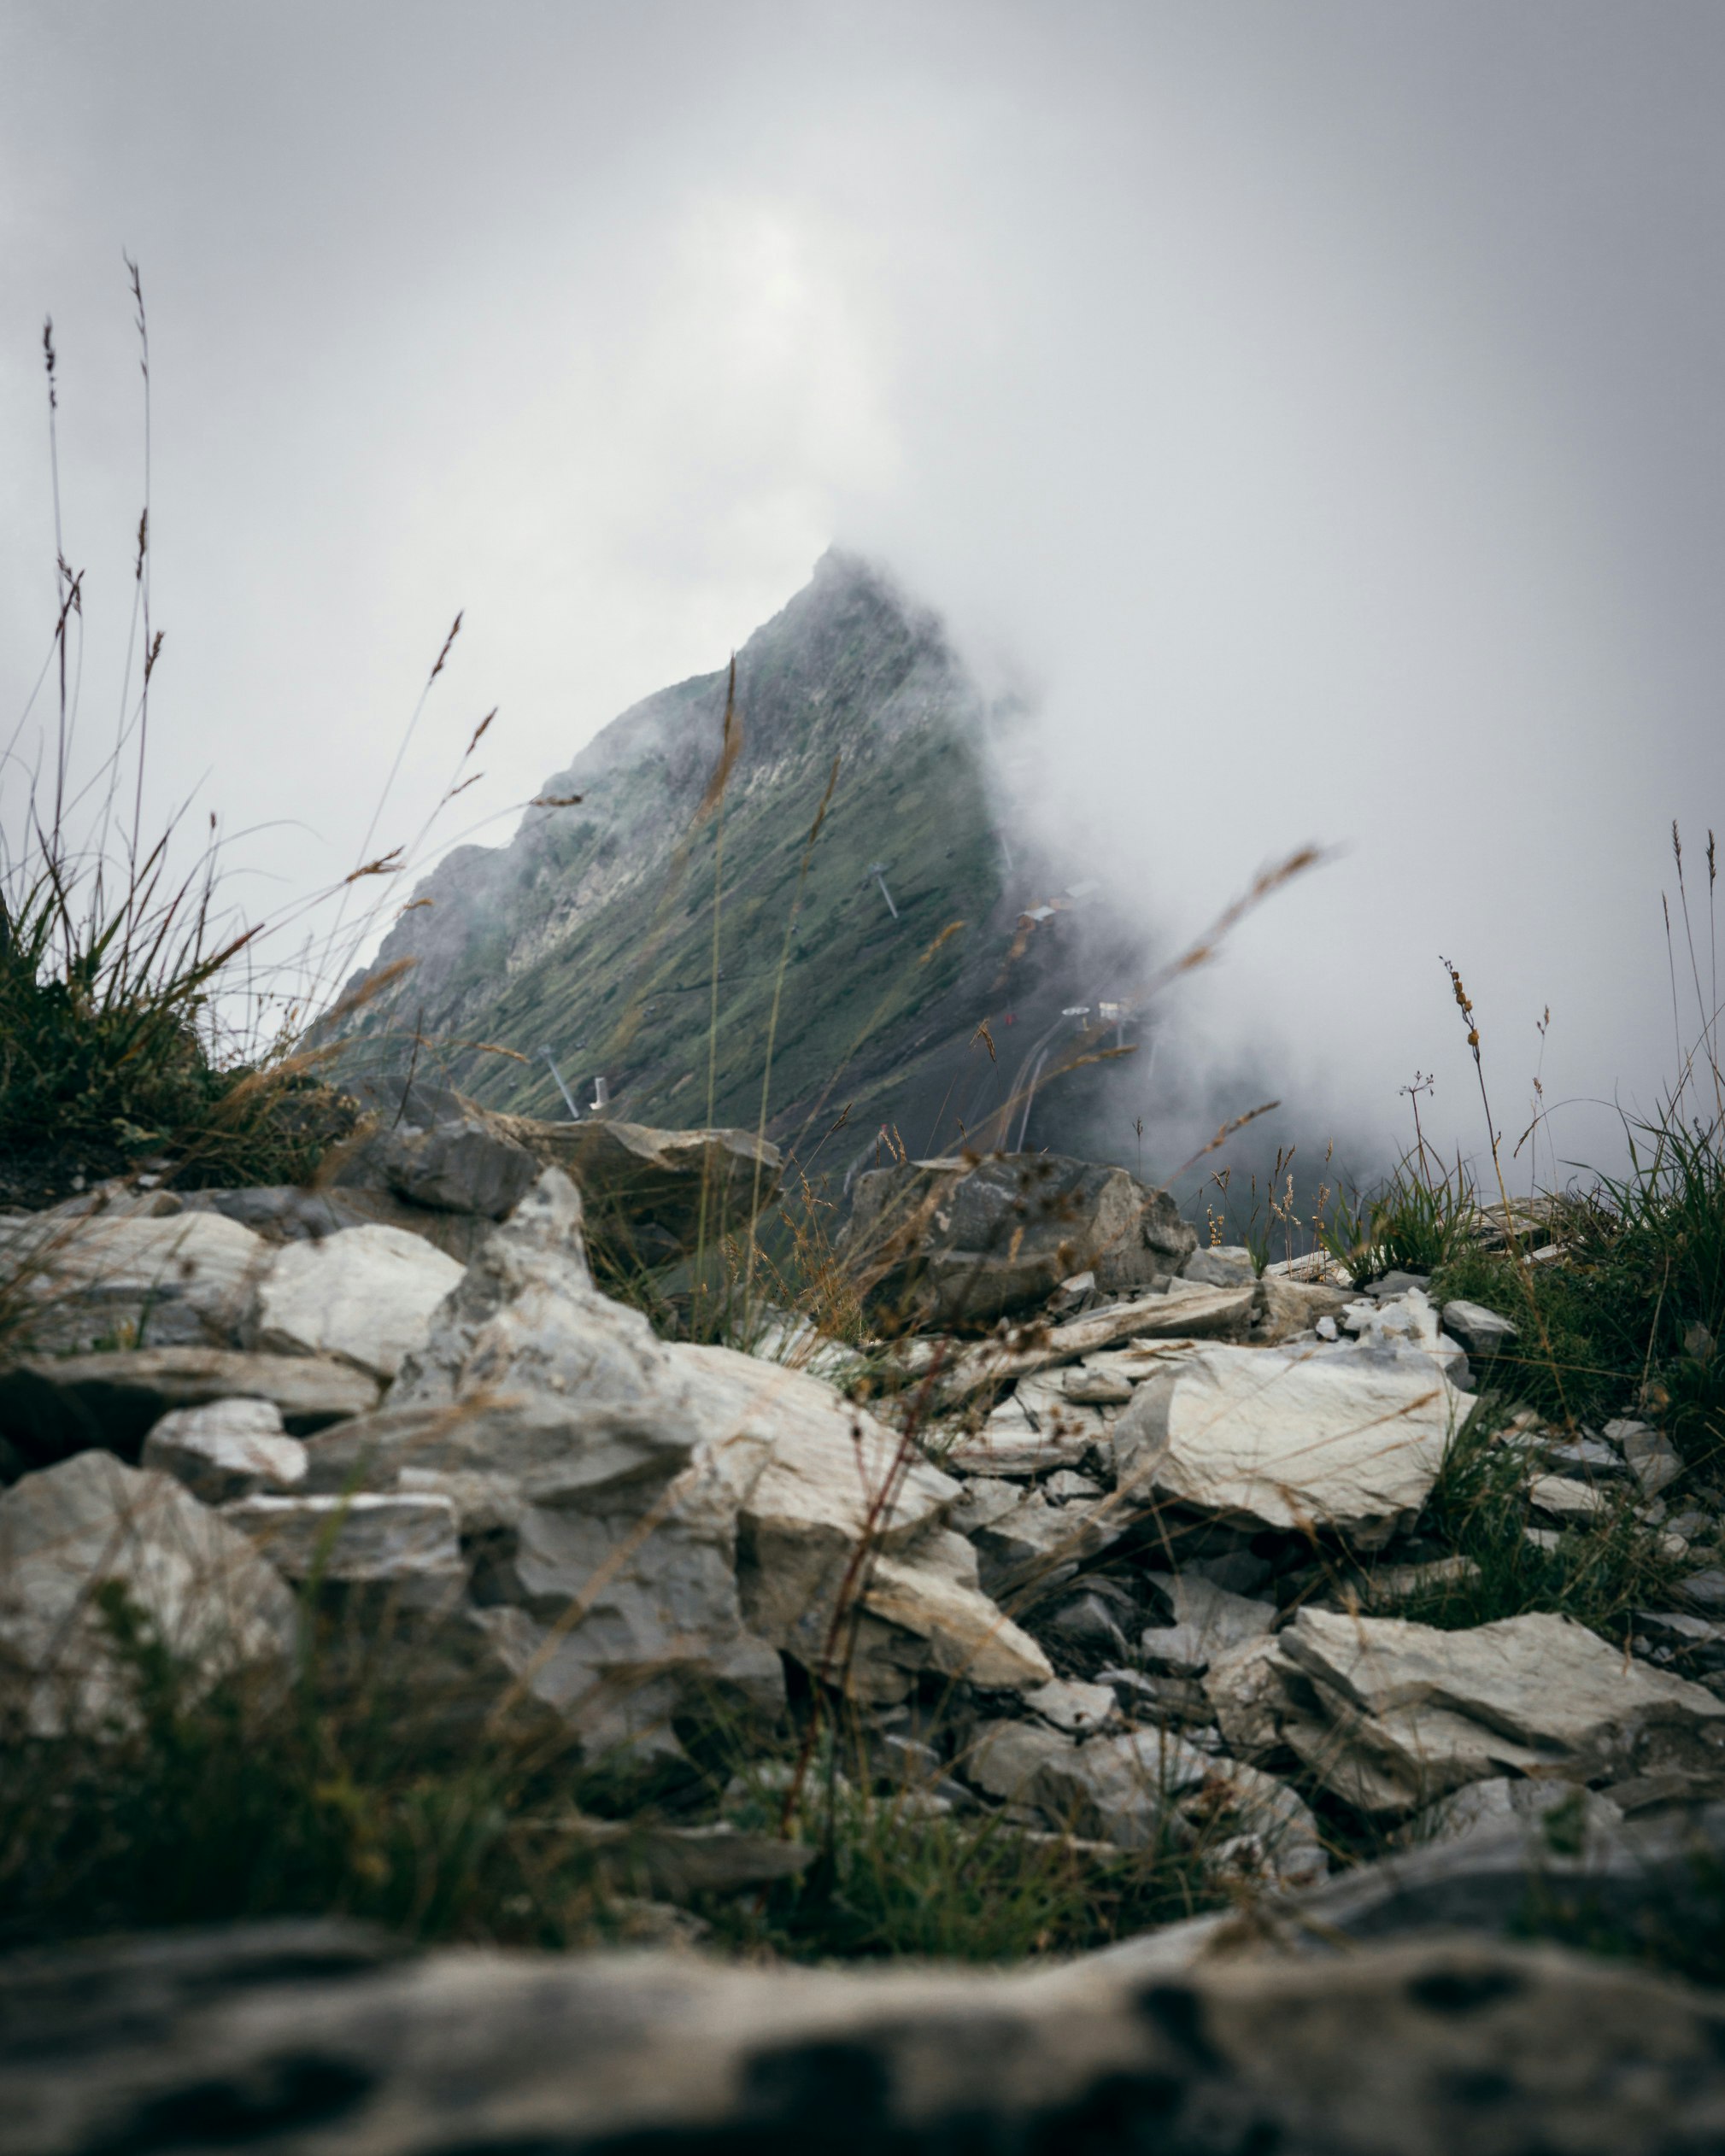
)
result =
(569, 1098)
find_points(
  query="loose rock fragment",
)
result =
(1283, 1438)
(230, 1448)
(1391, 1715)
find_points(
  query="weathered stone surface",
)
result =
(1404, 1321)
(1481, 1331)
(1286, 1309)
(90, 1521)
(1391, 1715)
(368, 1536)
(604, 1469)
(1696, 1645)
(1136, 1789)
(1284, 1438)
(185, 1281)
(1585, 1459)
(1004, 1758)
(1652, 1458)
(1485, 1807)
(1227, 1265)
(1244, 1688)
(655, 1179)
(436, 1149)
(1015, 1444)
(1077, 1710)
(1560, 1497)
(1705, 1588)
(698, 1508)
(51, 1406)
(322, 2041)
(1208, 1622)
(1063, 1487)
(982, 1499)
(968, 1239)
(462, 1163)
(230, 1448)
(834, 1478)
(365, 1296)
(1166, 1325)
(1038, 1543)
(1094, 1383)
(937, 1618)
(285, 1213)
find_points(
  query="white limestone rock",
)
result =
(1391, 1715)
(1247, 1693)
(229, 1448)
(1481, 1332)
(1560, 1497)
(1209, 1622)
(1291, 1439)
(1042, 1544)
(1404, 1320)
(570, 1442)
(1075, 1710)
(199, 1585)
(1484, 1807)
(188, 1280)
(1651, 1457)
(1286, 1309)
(834, 1478)
(366, 1294)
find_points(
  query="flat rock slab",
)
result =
(1016, 1441)
(1481, 1331)
(1166, 1324)
(1391, 1715)
(185, 1281)
(1291, 1439)
(51, 1408)
(321, 2040)
(664, 1179)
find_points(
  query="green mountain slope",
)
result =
(593, 932)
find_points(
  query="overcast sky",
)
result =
(1317, 406)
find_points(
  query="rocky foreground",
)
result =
(1117, 1570)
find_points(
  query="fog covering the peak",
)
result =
(1307, 417)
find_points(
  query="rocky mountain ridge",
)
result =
(592, 933)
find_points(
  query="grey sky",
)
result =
(1316, 405)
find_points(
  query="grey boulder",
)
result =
(92, 1524)
(969, 1239)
